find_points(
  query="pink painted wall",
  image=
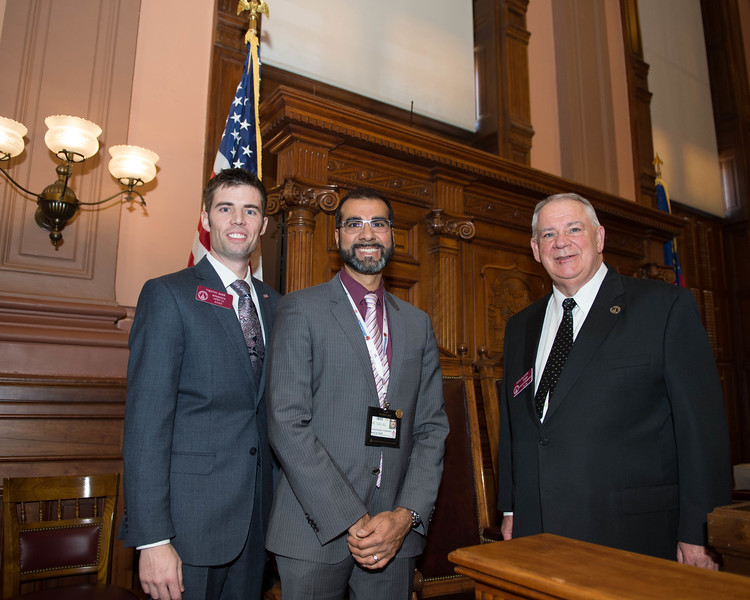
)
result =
(168, 116)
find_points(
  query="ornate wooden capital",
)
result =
(295, 193)
(654, 271)
(442, 224)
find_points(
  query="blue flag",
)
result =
(670, 247)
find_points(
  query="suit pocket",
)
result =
(650, 499)
(627, 362)
(192, 462)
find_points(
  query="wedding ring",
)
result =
(375, 556)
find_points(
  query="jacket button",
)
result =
(375, 471)
(544, 441)
(253, 451)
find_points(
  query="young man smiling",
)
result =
(197, 464)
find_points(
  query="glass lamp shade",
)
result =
(72, 134)
(11, 137)
(133, 162)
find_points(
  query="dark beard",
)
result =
(368, 267)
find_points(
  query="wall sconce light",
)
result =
(73, 140)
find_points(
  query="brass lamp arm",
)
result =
(18, 185)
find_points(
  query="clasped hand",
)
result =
(374, 541)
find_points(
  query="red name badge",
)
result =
(216, 297)
(523, 383)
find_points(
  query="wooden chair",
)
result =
(465, 513)
(56, 527)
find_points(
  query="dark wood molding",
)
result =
(639, 102)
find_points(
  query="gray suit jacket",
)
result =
(320, 385)
(195, 436)
(634, 450)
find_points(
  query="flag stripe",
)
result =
(240, 142)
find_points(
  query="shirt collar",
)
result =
(226, 274)
(587, 294)
(356, 290)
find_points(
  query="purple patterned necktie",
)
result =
(373, 332)
(381, 381)
(557, 357)
(250, 327)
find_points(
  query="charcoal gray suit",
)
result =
(195, 449)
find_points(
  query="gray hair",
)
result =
(587, 206)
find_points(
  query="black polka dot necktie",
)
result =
(557, 356)
(250, 326)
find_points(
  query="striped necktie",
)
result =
(381, 381)
(372, 329)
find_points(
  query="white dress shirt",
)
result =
(584, 300)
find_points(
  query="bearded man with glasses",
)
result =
(357, 421)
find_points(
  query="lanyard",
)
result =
(375, 358)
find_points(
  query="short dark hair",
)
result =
(229, 178)
(363, 193)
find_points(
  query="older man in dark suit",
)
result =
(357, 420)
(612, 420)
(198, 467)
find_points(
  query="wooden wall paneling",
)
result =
(517, 129)
(706, 268)
(450, 231)
(730, 95)
(65, 426)
(502, 68)
(639, 101)
(491, 202)
(737, 255)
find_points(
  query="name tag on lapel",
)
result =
(523, 383)
(215, 297)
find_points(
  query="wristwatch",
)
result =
(416, 520)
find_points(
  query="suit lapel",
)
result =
(533, 333)
(226, 316)
(594, 331)
(266, 314)
(396, 327)
(343, 313)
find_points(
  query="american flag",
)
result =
(240, 143)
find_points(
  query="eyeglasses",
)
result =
(378, 225)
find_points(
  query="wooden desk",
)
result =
(729, 534)
(547, 566)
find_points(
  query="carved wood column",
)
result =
(501, 55)
(448, 228)
(300, 202)
(302, 191)
(639, 101)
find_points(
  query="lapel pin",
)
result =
(615, 310)
(265, 295)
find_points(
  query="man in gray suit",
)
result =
(198, 478)
(357, 421)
